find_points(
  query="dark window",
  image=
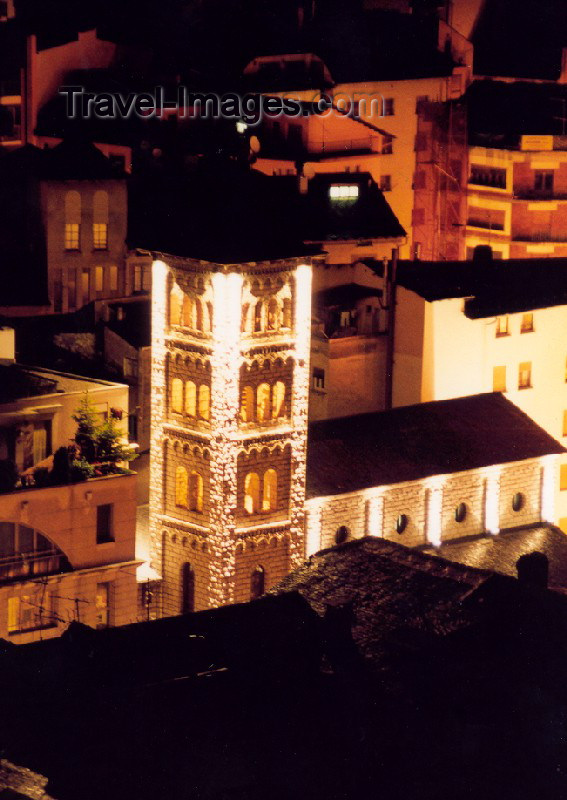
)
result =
(488, 176)
(342, 534)
(460, 512)
(257, 583)
(7, 538)
(187, 589)
(543, 181)
(104, 532)
(518, 501)
(318, 378)
(387, 145)
(402, 523)
(386, 183)
(388, 107)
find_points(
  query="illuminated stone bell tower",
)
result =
(230, 388)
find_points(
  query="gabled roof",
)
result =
(414, 442)
(498, 287)
(501, 552)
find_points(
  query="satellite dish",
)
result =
(254, 144)
(309, 171)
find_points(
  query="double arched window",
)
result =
(267, 315)
(268, 402)
(188, 312)
(193, 401)
(189, 490)
(268, 500)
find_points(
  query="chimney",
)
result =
(482, 255)
(7, 345)
(533, 569)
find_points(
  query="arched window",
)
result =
(257, 583)
(198, 315)
(247, 404)
(210, 317)
(190, 398)
(278, 399)
(244, 318)
(341, 534)
(181, 484)
(251, 493)
(273, 315)
(177, 395)
(196, 492)
(73, 206)
(187, 312)
(204, 401)
(263, 402)
(270, 496)
(187, 589)
(100, 220)
(460, 512)
(174, 307)
(286, 313)
(259, 317)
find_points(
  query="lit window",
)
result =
(102, 605)
(386, 183)
(99, 279)
(257, 583)
(196, 493)
(187, 312)
(209, 310)
(518, 501)
(177, 395)
(346, 192)
(341, 534)
(318, 378)
(259, 317)
(204, 401)
(278, 399)
(564, 423)
(174, 307)
(39, 443)
(181, 487)
(263, 402)
(100, 235)
(388, 107)
(247, 405)
(563, 477)
(401, 523)
(29, 612)
(190, 398)
(198, 315)
(273, 315)
(286, 313)
(270, 497)
(251, 493)
(527, 324)
(461, 512)
(72, 230)
(525, 375)
(502, 326)
(244, 318)
(104, 523)
(499, 379)
(113, 279)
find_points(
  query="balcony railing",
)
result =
(38, 562)
(540, 236)
(539, 194)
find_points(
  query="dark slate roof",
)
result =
(17, 382)
(220, 211)
(346, 295)
(390, 587)
(497, 287)
(72, 159)
(368, 217)
(500, 553)
(413, 442)
(498, 112)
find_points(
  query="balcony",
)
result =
(32, 564)
(539, 194)
(548, 237)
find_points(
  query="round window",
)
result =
(518, 501)
(341, 534)
(402, 523)
(460, 512)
